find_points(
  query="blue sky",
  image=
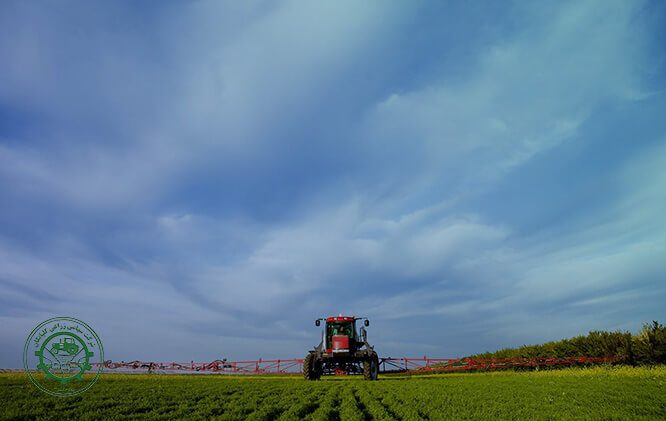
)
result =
(203, 179)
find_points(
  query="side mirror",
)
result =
(317, 322)
(366, 322)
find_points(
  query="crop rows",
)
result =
(573, 394)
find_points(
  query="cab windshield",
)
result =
(340, 329)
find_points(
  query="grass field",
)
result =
(596, 393)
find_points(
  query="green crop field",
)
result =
(595, 393)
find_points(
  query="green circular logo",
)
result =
(63, 356)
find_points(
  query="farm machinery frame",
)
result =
(342, 350)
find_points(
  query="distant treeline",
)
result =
(647, 347)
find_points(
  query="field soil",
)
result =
(593, 393)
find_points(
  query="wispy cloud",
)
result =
(223, 173)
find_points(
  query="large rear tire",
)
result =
(371, 367)
(310, 367)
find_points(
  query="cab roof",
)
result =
(340, 319)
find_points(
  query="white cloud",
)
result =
(600, 271)
(306, 257)
(136, 114)
(527, 94)
(396, 242)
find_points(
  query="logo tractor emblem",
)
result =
(64, 357)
